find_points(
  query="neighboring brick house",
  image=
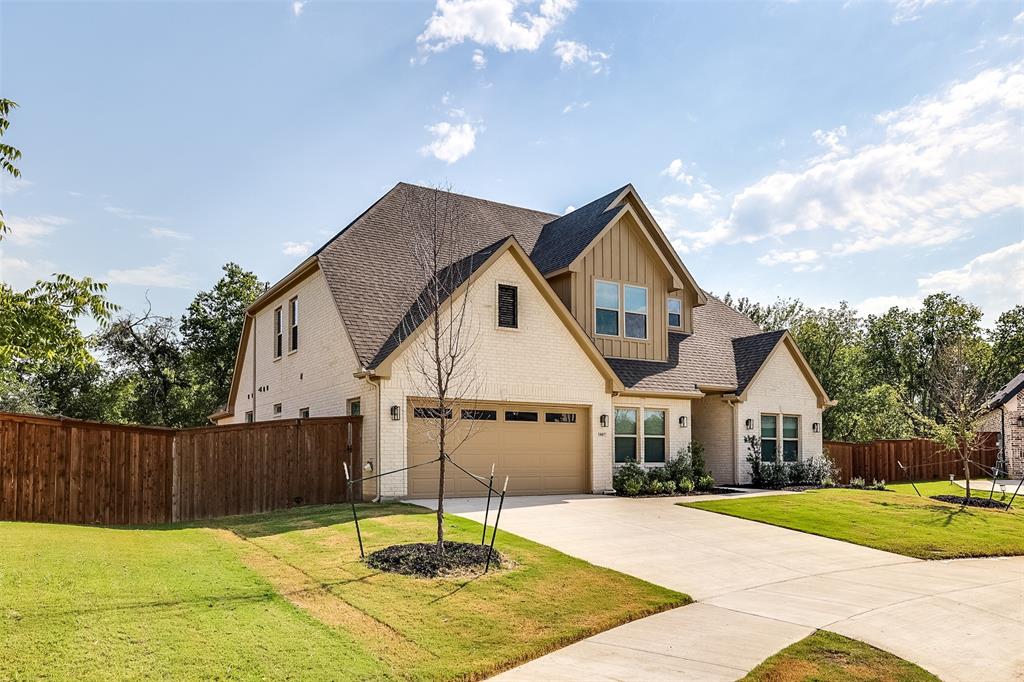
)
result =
(594, 345)
(1006, 420)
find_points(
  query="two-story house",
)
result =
(594, 345)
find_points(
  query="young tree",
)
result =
(442, 367)
(960, 394)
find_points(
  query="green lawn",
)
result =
(890, 520)
(285, 595)
(828, 657)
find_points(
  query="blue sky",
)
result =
(862, 151)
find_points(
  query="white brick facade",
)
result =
(780, 389)
(539, 362)
(714, 426)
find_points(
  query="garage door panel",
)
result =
(539, 457)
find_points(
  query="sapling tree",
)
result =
(442, 368)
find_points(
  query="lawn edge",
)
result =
(933, 557)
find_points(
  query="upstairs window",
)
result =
(248, 417)
(675, 312)
(508, 306)
(277, 409)
(293, 324)
(636, 311)
(278, 332)
(606, 303)
(304, 413)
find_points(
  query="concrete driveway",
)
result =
(760, 588)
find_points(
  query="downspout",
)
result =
(1004, 461)
(368, 378)
(253, 369)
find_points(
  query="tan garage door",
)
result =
(541, 448)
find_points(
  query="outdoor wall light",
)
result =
(816, 427)
(1020, 420)
(368, 466)
(604, 421)
(396, 413)
(683, 421)
(749, 424)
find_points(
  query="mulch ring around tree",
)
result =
(982, 502)
(421, 559)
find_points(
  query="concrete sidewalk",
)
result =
(760, 588)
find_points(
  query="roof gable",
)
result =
(1007, 392)
(562, 240)
(464, 273)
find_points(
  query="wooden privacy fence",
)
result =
(924, 459)
(72, 471)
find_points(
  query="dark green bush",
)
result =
(705, 483)
(630, 479)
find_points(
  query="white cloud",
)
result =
(164, 274)
(452, 141)
(677, 171)
(167, 233)
(131, 214)
(575, 106)
(791, 257)
(31, 230)
(831, 140)
(942, 163)
(571, 53)
(77, 195)
(12, 185)
(569, 209)
(993, 280)
(492, 23)
(479, 59)
(700, 202)
(298, 6)
(296, 248)
(21, 273)
(879, 305)
(1019, 19)
(909, 10)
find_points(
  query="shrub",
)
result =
(630, 479)
(857, 482)
(697, 462)
(630, 488)
(705, 483)
(798, 473)
(668, 487)
(754, 460)
(774, 475)
(876, 485)
(685, 485)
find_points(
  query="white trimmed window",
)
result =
(293, 324)
(625, 435)
(654, 436)
(675, 312)
(635, 298)
(606, 308)
(278, 332)
(277, 409)
(790, 438)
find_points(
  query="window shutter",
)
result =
(508, 306)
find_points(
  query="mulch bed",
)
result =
(982, 502)
(420, 559)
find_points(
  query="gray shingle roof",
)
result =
(750, 352)
(371, 272)
(564, 238)
(370, 269)
(1003, 395)
(706, 356)
(451, 278)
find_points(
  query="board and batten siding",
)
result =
(624, 255)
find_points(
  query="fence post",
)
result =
(175, 482)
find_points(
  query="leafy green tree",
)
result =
(39, 333)
(874, 413)
(1008, 346)
(144, 354)
(210, 331)
(782, 314)
(8, 155)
